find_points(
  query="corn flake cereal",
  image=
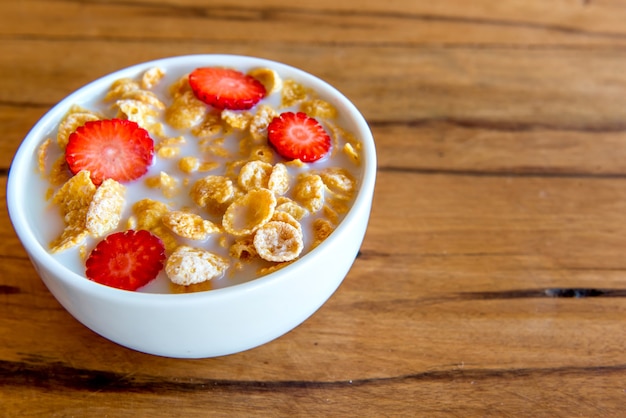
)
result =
(105, 209)
(293, 93)
(249, 212)
(309, 191)
(322, 228)
(278, 241)
(186, 111)
(278, 181)
(73, 200)
(318, 108)
(260, 121)
(235, 119)
(255, 175)
(212, 192)
(243, 248)
(69, 124)
(187, 265)
(151, 78)
(189, 225)
(269, 78)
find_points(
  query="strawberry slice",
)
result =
(126, 260)
(110, 148)
(224, 88)
(297, 135)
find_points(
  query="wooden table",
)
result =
(492, 280)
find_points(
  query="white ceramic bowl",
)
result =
(210, 323)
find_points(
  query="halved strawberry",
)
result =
(126, 260)
(110, 148)
(297, 135)
(224, 88)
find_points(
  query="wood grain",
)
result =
(491, 280)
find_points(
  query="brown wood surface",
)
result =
(492, 280)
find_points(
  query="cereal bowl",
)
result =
(237, 311)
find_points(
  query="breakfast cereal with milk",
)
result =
(225, 204)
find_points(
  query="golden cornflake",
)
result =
(121, 87)
(322, 228)
(189, 164)
(148, 215)
(269, 78)
(262, 118)
(243, 249)
(139, 112)
(309, 191)
(236, 120)
(69, 124)
(262, 153)
(285, 217)
(151, 77)
(71, 236)
(73, 199)
(170, 147)
(338, 180)
(189, 225)
(213, 193)
(254, 175)
(105, 209)
(249, 212)
(292, 208)
(165, 182)
(279, 179)
(318, 108)
(278, 241)
(210, 126)
(189, 265)
(208, 166)
(293, 93)
(59, 173)
(42, 155)
(75, 194)
(349, 150)
(186, 111)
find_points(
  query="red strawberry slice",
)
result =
(126, 260)
(110, 148)
(224, 88)
(296, 135)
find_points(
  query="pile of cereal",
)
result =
(211, 175)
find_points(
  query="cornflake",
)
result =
(309, 191)
(148, 215)
(189, 225)
(249, 212)
(186, 111)
(74, 119)
(212, 193)
(151, 77)
(187, 265)
(318, 108)
(243, 248)
(73, 199)
(269, 78)
(293, 93)
(322, 228)
(255, 175)
(278, 241)
(278, 181)
(105, 209)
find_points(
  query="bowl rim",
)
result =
(22, 162)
